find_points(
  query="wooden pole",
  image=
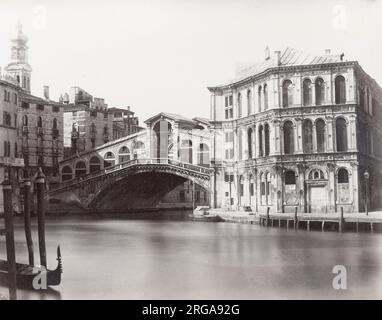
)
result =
(40, 184)
(10, 239)
(340, 228)
(27, 220)
(308, 225)
(267, 221)
(295, 220)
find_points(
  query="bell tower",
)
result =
(19, 68)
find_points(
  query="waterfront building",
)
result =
(11, 163)
(89, 123)
(297, 130)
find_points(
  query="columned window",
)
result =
(203, 155)
(340, 90)
(308, 136)
(261, 146)
(259, 98)
(186, 151)
(288, 137)
(249, 102)
(266, 139)
(265, 97)
(307, 92)
(239, 111)
(320, 135)
(249, 139)
(287, 93)
(320, 91)
(341, 135)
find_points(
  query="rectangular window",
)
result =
(228, 107)
(15, 99)
(251, 189)
(25, 105)
(40, 107)
(262, 188)
(56, 109)
(6, 119)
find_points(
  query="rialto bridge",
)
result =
(137, 171)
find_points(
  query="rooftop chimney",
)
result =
(278, 57)
(46, 92)
(327, 51)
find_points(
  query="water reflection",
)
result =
(141, 259)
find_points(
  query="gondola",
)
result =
(25, 273)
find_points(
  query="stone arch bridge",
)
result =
(137, 171)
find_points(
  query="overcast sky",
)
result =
(161, 55)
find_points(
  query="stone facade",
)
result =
(89, 123)
(296, 131)
(10, 162)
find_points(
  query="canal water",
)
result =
(163, 259)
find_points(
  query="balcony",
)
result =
(40, 131)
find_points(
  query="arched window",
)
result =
(203, 155)
(308, 136)
(307, 92)
(186, 151)
(266, 139)
(261, 146)
(94, 164)
(343, 176)
(109, 159)
(25, 120)
(80, 169)
(249, 139)
(66, 173)
(265, 97)
(240, 141)
(316, 174)
(340, 90)
(239, 105)
(39, 122)
(341, 135)
(139, 150)
(287, 93)
(320, 91)
(290, 177)
(320, 135)
(55, 126)
(123, 154)
(249, 102)
(259, 98)
(288, 138)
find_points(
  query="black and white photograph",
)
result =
(190, 150)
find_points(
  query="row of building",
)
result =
(39, 132)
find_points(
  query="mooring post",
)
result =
(340, 225)
(295, 221)
(40, 185)
(10, 238)
(323, 225)
(27, 220)
(371, 227)
(307, 225)
(268, 208)
(357, 227)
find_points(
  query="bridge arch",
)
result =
(109, 159)
(94, 164)
(123, 154)
(80, 168)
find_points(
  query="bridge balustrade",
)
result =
(132, 162)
